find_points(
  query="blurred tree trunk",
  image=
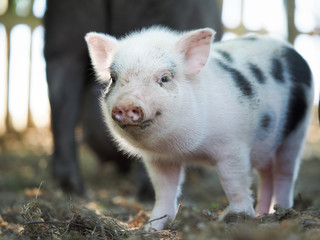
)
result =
(290, 9)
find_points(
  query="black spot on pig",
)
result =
(258, 74)
(277, 70)
(241, 82)
(265, 122)
(266, 125)
(226, 56)
(297, 109)
(298, 68)
(300, 75)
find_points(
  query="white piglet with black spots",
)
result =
(177, 98)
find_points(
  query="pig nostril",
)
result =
(117, 114)
(134, 114)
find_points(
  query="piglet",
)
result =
(177, 98)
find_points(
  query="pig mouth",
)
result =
(144, 124)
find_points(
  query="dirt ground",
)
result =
(32, 207)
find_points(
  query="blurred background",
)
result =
(23, 88)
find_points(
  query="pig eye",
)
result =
(165, 79)
(110, 82)
(113, 78)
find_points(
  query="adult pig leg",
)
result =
(66, 23)
(65, 94)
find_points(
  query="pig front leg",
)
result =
(234, 168)
(166, 178)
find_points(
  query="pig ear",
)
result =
(101, 47)
(195, 46)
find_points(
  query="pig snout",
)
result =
(132, 115)
(127, 114)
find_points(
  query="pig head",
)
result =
(140, 92)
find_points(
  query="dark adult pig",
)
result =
(72, 90)
(175, 98)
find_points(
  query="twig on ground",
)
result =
(55, 223)
(175, 216)
(39, 189)
(156, 219)
(103, 233)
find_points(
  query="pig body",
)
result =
(176, 98)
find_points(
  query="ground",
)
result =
(32, 207)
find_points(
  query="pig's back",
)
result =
(269, 83)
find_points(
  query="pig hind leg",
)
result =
(265, 190)
(286, 167)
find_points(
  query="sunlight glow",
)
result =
(305, 12)
(231, 13)
(228, 36)
(39, 103)
(20, 40)
(3, 79)
(275, 20)
(267, 14)
(3, 6)
(252, 14)
(39, 8)
(23, 7)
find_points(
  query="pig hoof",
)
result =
(157, 224)
(228, 215)
(145, 191)
(235, 217)
(154, 227)
(223, 214)
(70, 185)
(70, 182)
